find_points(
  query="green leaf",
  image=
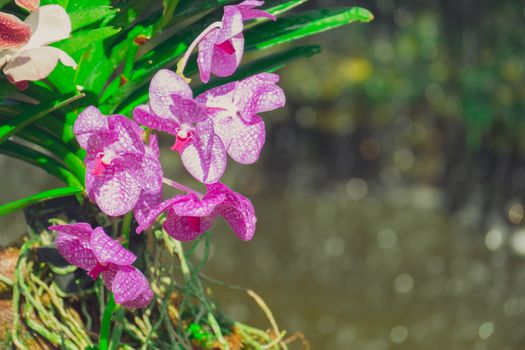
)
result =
(263, 36)
(270, 63)
(89, 15)
(12, 126)
(73, 5)
(80, 40)
(281, 8)
(37, 198)
(52, 144)
(302, 25)
(40, 160)
(169, 7)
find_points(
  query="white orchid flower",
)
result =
(24, 55)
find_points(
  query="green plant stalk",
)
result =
(117, 330)
(217, 330)
(16, 303)
(105, 328)
(126, 227)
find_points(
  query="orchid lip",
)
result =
(183, 138)
(102, 160)
(97, 270)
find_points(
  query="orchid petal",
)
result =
(115, 191)
(237, 210)
(128, 135)
(29, 5)
(146, 204)
(107, 250)
(50, 24)
(36, 63)
(155, 212)
(80, 230)
(144, 115)
(90, 121)
(187, 111)
(190, 205)
(150, 172)
(231, 24)
(261, 99)
(224, 63)
(13, 32)
(163, 85)
(186, 228)
(205, 157)
(130, 287)
(205, 56)
(248, 12)
(219, 91)
(243, 141)
(76, 251)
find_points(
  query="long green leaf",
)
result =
(57, 148)
(263, 36)
(282, 7)
(80, 40)
(302, 25)
(12, 126)
(37, 198)
(40, 160)
(89, 15)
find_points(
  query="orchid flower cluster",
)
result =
(123, 169)
(24, 54)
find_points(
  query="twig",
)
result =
(217, 330)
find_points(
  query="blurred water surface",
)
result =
(390, 194)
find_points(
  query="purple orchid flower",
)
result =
(221, 45)
(233, 107)
(122, 173)
(99, 254)
(172, 109)
(222, 120)
(190, 215)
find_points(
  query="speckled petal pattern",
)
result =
(187, 110)
(75, 251)
(115, 192)
(225, 63)
(107, 250)
(237, 210)
(164, 84)
(131, 288)
(243, 141)
(205, 158)
(144, 115)
(13, 32)
(89, 122)
(80, 230)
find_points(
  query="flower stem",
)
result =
(126, 226)
(105, 327)
(181, 65)
(181, 187)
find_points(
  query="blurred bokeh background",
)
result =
(390, 194)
